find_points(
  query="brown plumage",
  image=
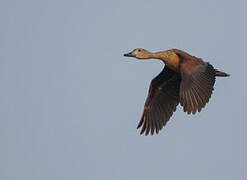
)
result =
(185, 79)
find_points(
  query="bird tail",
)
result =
(220, 73)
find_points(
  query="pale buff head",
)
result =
(139, 53)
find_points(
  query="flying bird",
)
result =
(185, 79)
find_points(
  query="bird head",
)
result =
(139, 53)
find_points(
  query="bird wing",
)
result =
(197, 83)
(163, 97)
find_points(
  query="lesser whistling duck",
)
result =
(185, 79)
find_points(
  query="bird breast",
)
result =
(172, 61)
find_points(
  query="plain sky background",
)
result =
(70, 102)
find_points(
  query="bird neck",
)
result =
(163, 55)
(169, 57)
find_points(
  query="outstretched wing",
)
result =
(163, 97)
(197, 83)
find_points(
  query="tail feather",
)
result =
(220, 73)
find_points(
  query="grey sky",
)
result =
(70, 101)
